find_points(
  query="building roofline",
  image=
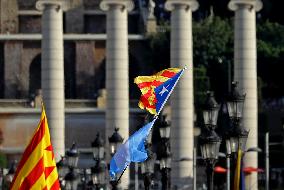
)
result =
(66, 37)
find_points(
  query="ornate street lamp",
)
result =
(164, 152)
(209, 140)
(72, 156)
(210, 145)
(237, 136)
(98, 148)
(99, 170)
(99, 174)
(9, 176)
(210, 111)
(147, 167)
(61, 168)
(164, 127)
(72, 178)
(115, 141)
(235, 103)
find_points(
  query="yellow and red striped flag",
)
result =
(37, 168)
(157, 88)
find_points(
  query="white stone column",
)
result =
(52, 72)
(182, 108)
(245, 72)
(117, 80)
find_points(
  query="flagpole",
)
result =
(121, 174)
(171, 90)
(117, 181)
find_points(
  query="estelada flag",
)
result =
(157, 88)
(37, 168)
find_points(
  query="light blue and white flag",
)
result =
(133, 150)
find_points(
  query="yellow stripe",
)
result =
(142, 79)
(39, 184)
(152, 111)
(175, 70)
(141, 105)
(156, 76)
(52, 178)
(145, 90)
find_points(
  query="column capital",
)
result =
(128, 4)
(256, 4)
(190, 4)
(41, 4)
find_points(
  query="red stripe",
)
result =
(33, 176)
(148, 94)
(55, 185)
(144, 84)
(168, 74)
(48, 170)
(30, 148)
(146, 103)
(154, 83)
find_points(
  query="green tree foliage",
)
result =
(213, 52)
(213, 48)
(212, 40)
(270, 49)
(201, 85)
(3, 160)
(160, 47)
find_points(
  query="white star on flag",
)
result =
(164, 90)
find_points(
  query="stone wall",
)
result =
(26, 4)
(12, 63)
(74, 17)
(30, 24)
(9, 16)
(2, 82)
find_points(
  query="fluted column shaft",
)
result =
(117, 78)
(182, 109)
(245, 72)
(52, 72)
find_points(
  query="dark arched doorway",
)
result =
(35, 75)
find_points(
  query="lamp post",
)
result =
(164, 152)
(98, 174)
(99, 170)
(9, 176)
(114, 142)
(98, 148)
(71, 178)
(236, 136)
(209, 140)
(61, 168)
(147, 167)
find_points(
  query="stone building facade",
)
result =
(84, 27)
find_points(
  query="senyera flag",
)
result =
(37, 168)
(157, 88)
